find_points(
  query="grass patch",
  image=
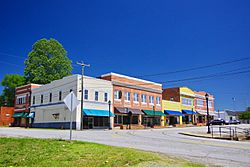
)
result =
(56, 152)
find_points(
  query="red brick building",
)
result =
(22, 105)
(136, 101)
(201, 106)
(6, 114)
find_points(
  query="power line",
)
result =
(206, 76)
(196, 68)
(11, 55)
(3, 62)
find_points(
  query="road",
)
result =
(167, 141)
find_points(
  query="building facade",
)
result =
(183, 97)
(136, 102)
(173, 112)
(201, 106)
(6, 114)
(51, 112)
(22, 116)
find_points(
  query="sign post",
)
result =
(71, 102)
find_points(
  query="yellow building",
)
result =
(172, 109)
(180, 99)
(187, 97)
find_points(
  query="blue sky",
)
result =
(137, 38)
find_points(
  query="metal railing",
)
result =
(230, 132)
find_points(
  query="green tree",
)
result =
(46, 62)
(10, 82)
(245, 115)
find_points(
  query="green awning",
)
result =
(25, 115)
(154, 113)
(18, 114)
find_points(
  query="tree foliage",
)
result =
(245, 115)
(10, 82)
(46, 62)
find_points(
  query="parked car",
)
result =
(217, 122)
(233, 122)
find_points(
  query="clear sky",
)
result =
(136, 38)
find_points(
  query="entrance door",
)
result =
(90, 122)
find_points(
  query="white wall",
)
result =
(44, 112)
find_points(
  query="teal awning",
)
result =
(25, 115)
(18, 114)
(31, 115)
(154, 113)
(97, 113)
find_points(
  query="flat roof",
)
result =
(128, 77)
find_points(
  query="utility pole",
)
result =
(83, 65)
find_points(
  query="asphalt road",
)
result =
(167, 141)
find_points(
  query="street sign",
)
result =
(71, 102)
(71, 98)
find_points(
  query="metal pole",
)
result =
(110, 127)
(82, 116)
(82, 99)
(71, 106)
(208, 126)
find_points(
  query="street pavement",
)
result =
(168, 141)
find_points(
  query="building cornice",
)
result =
(132, 78)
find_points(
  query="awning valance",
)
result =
(97, 113)
(188, 112)
(171, 112)
(18, 114)
(154, 113)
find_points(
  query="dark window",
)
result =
(41, 99)
(105, 97)
(86, 94)
(96, 96)
(34, 100)
(60, 95)
(50, 97)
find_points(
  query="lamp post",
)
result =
(109, 102)
(154, 116)
(208, 126)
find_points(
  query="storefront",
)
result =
(127, 116)
(94, 119)
(188, 116)
(23, 119)
(153, 118)
(173, 117)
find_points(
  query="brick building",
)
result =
(201, 106)
(22, 116)
(136, 102)
(6, 116)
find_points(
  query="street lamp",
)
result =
(208, 126)
(109, 102)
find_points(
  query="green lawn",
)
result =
(55, 152)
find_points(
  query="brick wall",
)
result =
(6, 114)
(171, 94)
